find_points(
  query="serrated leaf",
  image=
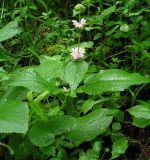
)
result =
(10, 30)
(111, 80)
(90, 126)
(49, 69)
(62, 124)
(141, 123)
(74, 73)
(29, 79)
(119, 147)
(13, 116)
(15, 93)
(40, 134)
(140, 111)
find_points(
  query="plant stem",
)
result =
(10, 149)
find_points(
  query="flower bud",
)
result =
(80, 8)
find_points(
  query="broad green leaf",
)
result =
(140, 122)
(90, 126)
(40, 134)
(62, 124)
(16, 93)
(49, 69)
(111, 80)
(13, 116)
(10, 30)
(119, 147)
(140, 111)
(74, 73)
(29, 79)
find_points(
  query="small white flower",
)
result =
(77, 53)
(79, 24)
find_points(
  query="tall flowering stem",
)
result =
(78, 53)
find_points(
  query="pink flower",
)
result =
(77, 53)
(79, 24)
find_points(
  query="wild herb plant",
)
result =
(74, 87)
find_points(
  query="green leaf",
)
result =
(49, 69)
(3, 75)
(88, 44)
(10, 30)
(124, 28)
(15, 93)
(108, 11)
(40, 134)
(62, 124)
(88, 104)
(90, 126)
(141, 123)
(29, 79)
(74, 73)
(119, 147)
(116, 126)
(92, 154)
(111, 80)
(13, 116)
(140, 111)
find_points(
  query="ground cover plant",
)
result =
(74, 80)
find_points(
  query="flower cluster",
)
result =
(79, 24)
(77, 53)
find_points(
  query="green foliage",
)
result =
(111, 80)
(40, 134)
(10, 30)
(90, 126)
(13, 116)
(31, 80)
(140, 111)
(119, 147)
(141, 114)
(91, 153)
(74, 73)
